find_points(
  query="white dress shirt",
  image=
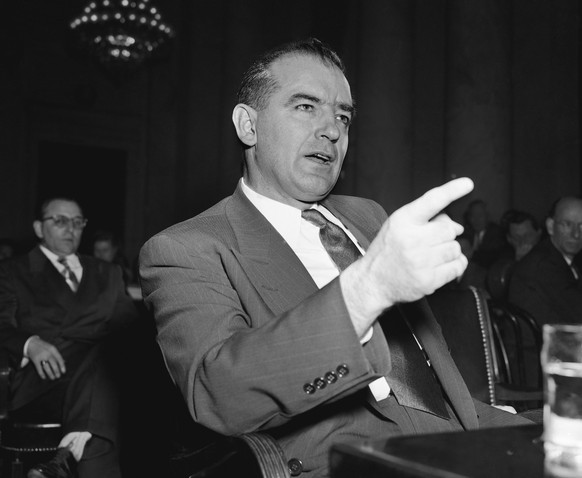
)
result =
(72, 260)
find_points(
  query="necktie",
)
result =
(336, 242)
(68, 274)
(575, 271)
(411, 379)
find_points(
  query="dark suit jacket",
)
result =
(243, 328)
(492, 245)
(543, 284)
(36, 300)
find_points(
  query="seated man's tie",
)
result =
(411, 379)
(68, 274)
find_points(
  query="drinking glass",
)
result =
(561, 359)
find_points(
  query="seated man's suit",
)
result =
(545, 285)
(35, 299)
(253, 343)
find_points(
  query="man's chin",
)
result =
(317, 190)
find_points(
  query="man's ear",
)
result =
(245, 119)
(37, 226)
(550, 225)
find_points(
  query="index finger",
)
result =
(433, 201)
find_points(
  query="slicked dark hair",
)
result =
(516, 216)
(258, 83)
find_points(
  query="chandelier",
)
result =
(121, 32)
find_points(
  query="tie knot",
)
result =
(334, 239)
(314, 217)
(63, 261)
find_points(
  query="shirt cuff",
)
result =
(380, 388)
(367, 336)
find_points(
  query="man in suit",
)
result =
(258, 327)
(522, 232)
(487, 237)
(59, 312)
(547, 282)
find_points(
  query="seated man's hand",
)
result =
(414, 254)
(46, 358)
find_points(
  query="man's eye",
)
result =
(346, 120)
(305, 107)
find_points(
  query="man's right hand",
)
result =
(414, 253)
(46, 358)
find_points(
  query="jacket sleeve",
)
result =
(12, 339)
(240, 366)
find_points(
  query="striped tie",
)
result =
(68, 274)
(336, 242)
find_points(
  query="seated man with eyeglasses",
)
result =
(59, 313)
(546, 282)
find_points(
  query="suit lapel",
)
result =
(48, 279)
(426, 329)
(91, 282)
(271, 265)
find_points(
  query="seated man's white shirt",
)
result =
(72, 260)
(303, 238)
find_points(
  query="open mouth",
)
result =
(321, 158)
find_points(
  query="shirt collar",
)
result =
(72, 259)
(284, 218)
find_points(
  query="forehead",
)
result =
(521, 227)
(569, 207)
(60, 206)
(298, 73)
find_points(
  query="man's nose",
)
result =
(328, 127)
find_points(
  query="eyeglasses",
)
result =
(63, 222)
(569, 226)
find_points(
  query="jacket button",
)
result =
(295, 466)
(331, 377)
(308, 388)
(342, 370)
(319, 383)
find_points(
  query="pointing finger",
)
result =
(435, 200)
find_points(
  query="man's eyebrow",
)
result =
(302, 96)
(348, 108)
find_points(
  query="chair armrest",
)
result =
(516, 393)
(269, 455)
(5, 373)
(252, 455)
